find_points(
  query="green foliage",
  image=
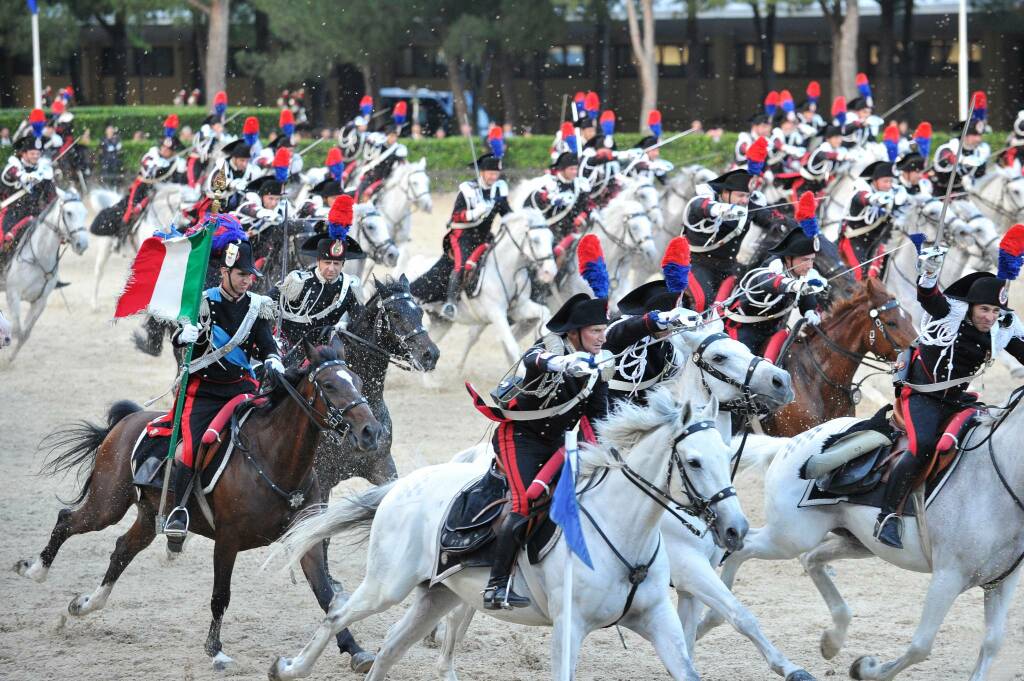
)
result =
(148, 119)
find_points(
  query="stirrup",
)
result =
(448, 311)
(175, 530)
(880, 526)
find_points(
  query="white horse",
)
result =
(31, 275)
(5, 331)
(670, 452)
(676, 193)
(719, 374)
(522, 249)
(406, 190)
(1000, 196)
(967, 548)
(627, 238)
(370, 230)
(161, 212)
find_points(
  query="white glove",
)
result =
(972, 161)
(812, 287)
(273, 364)
(266, 214)
(812, 317)
(678, 316)
(577, 364)
(880, 198)
(790, 285)
(189, 333)
(480, 211)
(238, 184)
(930, 261)
(728, 211)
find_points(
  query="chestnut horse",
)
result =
(870, 327)
(267, 482)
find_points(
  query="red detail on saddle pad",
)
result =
(369, 191)
(850, 258)
(12, 234)
(131, 199)
(474, 258)
(216, 426)
(948, 442)
(725, 290)
(562, 245)
(545, 475)
(774, 345)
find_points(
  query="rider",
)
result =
(864, 127)
(383, 152)
(234, 327)
(562, 196)
(645, 162)
(760, 126)
(263, 205)
(964, 328)
(24, 172)
(111, 165)
(869, 221)
(238, 172)
(315, 299)
(820, 165)
(478, 202)
(973, 157)
(559, 375)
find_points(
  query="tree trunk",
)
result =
(118, 32)
(643, 45)
(196, 47)
(509, 101)
(317, 101)
(262, 35)
(455, 84)
(217, 48)
(886, 50)
(769, 45)
(369, 83)
(907, 56)
(7, 99)
(848, 48)
(693, 63)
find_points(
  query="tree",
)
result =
(764, 29)
(215, 72)
(641, 38)
(844, 26)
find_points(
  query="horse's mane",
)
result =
(294, 375)
(626, 425)
(842, 307)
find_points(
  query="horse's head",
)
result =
(1014, 196)
(71, 220)
(638, 231)
(740, 380)
(412, 181)
(842, 284)
(377, 237)
(398, 326)
(875, 320)
(535, 242)
(976, 234)
(334, 393)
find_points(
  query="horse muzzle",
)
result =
(730, 535)
(366, 436)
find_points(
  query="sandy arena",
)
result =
(154, 626)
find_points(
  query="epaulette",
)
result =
(291, 287)
(554, 344)
(268, 308)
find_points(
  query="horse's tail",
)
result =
(320, 522)
(76, 445)
(759, 451)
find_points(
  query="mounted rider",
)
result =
(562, 196)
(973, 157)
(760, 126)
(234, 328)
(563, 388)
(263, 205)
(963, 330)
(162, 163)
(314, 300)
(809, 121)
(26, 172)
(478, 202)
(864, 125)
(333, 170)
(270, 156)
(650, 313)
(352, 135)
(644, 161)
(39, 127)
(869, 221)
(382, 153)
(599, 162)
(238, 172)
(819, 167)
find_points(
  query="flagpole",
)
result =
(37, 69)
(219, 184)
(571, 450)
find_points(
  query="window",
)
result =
(420, 62)
(931, 58)
(788, 59)
(566, 61)
(674, 59)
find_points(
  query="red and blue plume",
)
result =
(923, 138)
(593, 269)
(863, 86)
(170, 125)
(37, 119)
(58, 105)
(786, 101)
(608, 123)
(980, 106)
(366, 105)
(251, 130)
(839, 109)
(891, 140)
(592, 103)
(569, 136)
(220, 103)
(496, 141)
(654, 122)
(807, 214)
(918, 239)
(339, 220)
(228, 230)
(813, 91)
(282, 163)
(399, 113)
(579, 99)
(286, 121)
(335, 163)
(1011, 253)
(771, 103)
(756, 155)
(675, 266)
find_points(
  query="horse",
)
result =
(162, 210)
(627, 237)
(678, 191)
(966, 548)
(405, 190)
(520, 252)
(262, 487)
(823, 362)
(370, 230)
(32, 269)
(670, 454)
(5, 331)
(1000, 195)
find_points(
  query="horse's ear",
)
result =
(376, 282)
(338, 345)
(404, 281)
(422, 163)
(711, 409)
(312, 354)
(687, 412)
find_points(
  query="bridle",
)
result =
(377, 248)
(410, 195)
(402, 357)
(629, 243)
(60, 228)
(528, 253)
(746, 404)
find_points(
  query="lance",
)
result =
(904, 102)
(472, 147)
(318, 141)
(952, 176)
(21, 192)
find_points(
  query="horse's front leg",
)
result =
(102, 255)
(997, 603)
(816, 563)
(35, 311)
(660, 625)
(472, 337)
(505, 335)
(14, 309)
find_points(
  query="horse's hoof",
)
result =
(276, 671)
(76, 605)
(222, 662)
(864, 667)
(33, 569)
(800, 675)
(829, 645)
(361, 662)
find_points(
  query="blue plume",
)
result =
(497, 147)
(918, 240)
(219, 109)
(755, 167)
(924, 145)
(288, 129)
(892, 148)
(337, 231)
(595, 273)
(677, 277)
(227, 229)
(252, 138)
(1009, 265)
(566, 514)
(656, 129)
(810, 227)
(570, 141)
(169, 132)
(37, 129)
(336, 170)
(841, 117)
(281, 173)
(865, 90)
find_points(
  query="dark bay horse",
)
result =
(823, 362)
(266, 483)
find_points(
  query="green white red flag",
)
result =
(167, 278)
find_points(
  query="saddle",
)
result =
(862, 457)
(471, 523)
(473, 267)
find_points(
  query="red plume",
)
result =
(924, 130)
(677, 253)
(591, 102)
(283, 158)
(400, 108)
(567, 130)
(758, 151)
(862, 79)
(251, 126)
(58, 106)
(980, 100)
(588, 250)
(286, 118)
(814, 89)
(838, 106)
(1013, 241)
(785, 96)
(654, 117)
(579, 97)
(36, 116)
(494, 133)
(333, 157)
(171, 121)
(772, 98)
(892, 133)
(341, 211)
(806, 207)
(221, 98)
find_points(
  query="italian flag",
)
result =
(167, 277)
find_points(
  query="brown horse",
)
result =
(823, 362)
(266, 483)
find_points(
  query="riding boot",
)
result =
(176, 527)
(498, 594)
(449, 309)
(889, 528)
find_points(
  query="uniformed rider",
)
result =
(869, 221)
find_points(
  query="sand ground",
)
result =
(156, 621)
